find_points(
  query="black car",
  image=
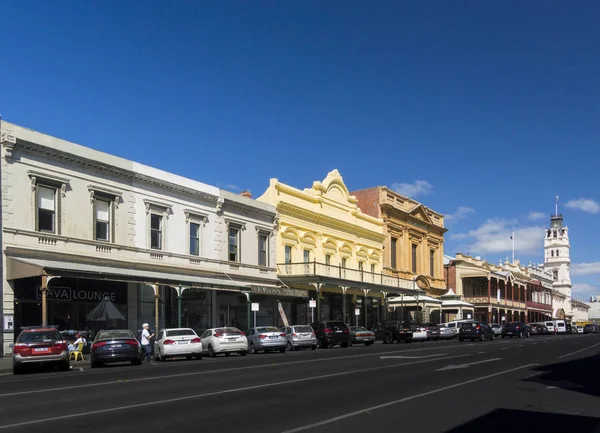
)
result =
(515, 329)
(475, 331)
(433, 330)
(591, 329)
(115, 345)
(331, 333)
(395, 330)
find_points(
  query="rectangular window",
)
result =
(414, 258)
(360, 266)
(393, 253)
(46, 209)
(194, 239)
(102, 219)
(372, 268)
(344, 262)
(328, 259)
(234, 241)
(263, 242)
(431, 262)
(156, 232)
(306, 256)
(288, 254)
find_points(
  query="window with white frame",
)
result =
(372, 268)
(102, 219)
(288, 254)
(263, 248)
(46, 207)
(328, 259)
(234, 244)
(306, 256)
(194, 239)
(156, 231)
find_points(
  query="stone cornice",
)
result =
(57, 155)
(305, 214)
(247, 209)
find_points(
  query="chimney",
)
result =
(246, 194)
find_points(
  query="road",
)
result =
(546, 384)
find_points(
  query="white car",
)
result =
(419, 334)
(224, 340)
(178, 342)
(579, 329)
(497, 328)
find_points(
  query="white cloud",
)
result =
(584, 204)
(536, 215)
(584, 288)
(412, 190)
(461, 212)
(585, 268)
(493, 236)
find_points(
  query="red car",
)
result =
(40, 346)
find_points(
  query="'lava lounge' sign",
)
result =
(57, 293)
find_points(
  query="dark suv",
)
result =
(331, 333)
(475, 331)
(395, 330)
(515, 329)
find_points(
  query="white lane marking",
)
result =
(413, 357)
(520, 345)
(578, 351)
(503, 348)
(214, 393)
(403, 400)
(170, 376)
(480, 353)
(455, 367)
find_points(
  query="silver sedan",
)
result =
(266, 338)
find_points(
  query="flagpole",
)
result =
(556, 205)
(513, 246)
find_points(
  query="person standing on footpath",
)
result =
(146, 349)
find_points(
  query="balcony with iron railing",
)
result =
(346, 276)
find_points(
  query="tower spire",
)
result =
(556, 206)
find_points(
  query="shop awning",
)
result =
(412, 300)
(25, 267)
(457, 304)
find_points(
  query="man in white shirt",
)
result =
(146, 349)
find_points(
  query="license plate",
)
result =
(509, 333)
(273, 336)
(182, 342)
(338, 332)
(117, 345)
(41, 349)
(231, 339)
(303, 335)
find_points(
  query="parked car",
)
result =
(446, 333)
(361, 335)
(515, 329)
(579, 329)
(475, 331)
(591, 329)
(433, 331)
(419, 334)
(395, 330)
(331, 333)
(225, 340)
(115, 345)
(455, 325)
(299, 336)
(40, 346)
(176, 342)
(497, 328)
(266, 339)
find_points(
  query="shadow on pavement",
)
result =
(579, 375)
(503, 420)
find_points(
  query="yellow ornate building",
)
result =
(327, 245)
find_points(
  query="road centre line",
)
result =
(403, 400)
(222, 392)
(578, 351)
(171, 376)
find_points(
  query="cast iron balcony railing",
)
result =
(324, 270)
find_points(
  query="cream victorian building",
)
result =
(327, 245)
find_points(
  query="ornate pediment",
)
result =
(420, 213)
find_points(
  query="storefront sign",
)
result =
(57, 293)
(280, 291)
(9, 322)
(357, 312)
(312, 303)
(255, 306)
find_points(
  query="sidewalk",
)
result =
(6, 364)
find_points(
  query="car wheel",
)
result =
(520, 335)
(482, 337)
(389, 339)
(350, 343)
(313, 347)
(320, 344)
(211, 352)
(290, 346)
(65, 366)
(408, 340)
(17, 370)
(94, 364)
(493, 337)
(243, 353)
(188, 356)
(282, 350)
(461, 339)
(345, 344)
(253, 349)
(136, 362)
(227, 353)
(199, 357)
(368, 343)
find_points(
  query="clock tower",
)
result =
(557, 259)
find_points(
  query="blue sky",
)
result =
(482, 110)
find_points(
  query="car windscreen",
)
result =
(303, 329)
(335, 325)
(39, 337)
(109, 335)
(358, 328)
(268, 329)
(229, 331)
(180, 333)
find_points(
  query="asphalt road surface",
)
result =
(538, 384)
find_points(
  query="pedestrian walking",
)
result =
(145, 340)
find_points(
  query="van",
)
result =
(555, 326)
(455, 324)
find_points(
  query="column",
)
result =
(344, 290)
(156, 297)
(489, 289)
(179, 297)
(44, 290)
